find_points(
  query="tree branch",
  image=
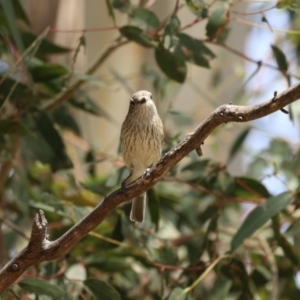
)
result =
(41, 249)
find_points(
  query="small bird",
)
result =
(141, 142)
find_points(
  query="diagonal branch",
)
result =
(41, 249)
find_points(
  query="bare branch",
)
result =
(41, 249)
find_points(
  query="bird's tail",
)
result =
(138, 208)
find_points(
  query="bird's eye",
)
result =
(143, 100)
(132, 103)
(151, 96)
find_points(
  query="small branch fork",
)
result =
(40, 248)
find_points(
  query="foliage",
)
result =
(194, 228)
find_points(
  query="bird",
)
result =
(141, 139)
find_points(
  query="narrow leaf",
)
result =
(48, 72)
(85, 103)
(45, 47)
(177, 294)
(171, 64)
(249, 188)
(198, 7)
(216, 22)
(259, 216)
(110, 9)
(64, 118)
(144, 19)
(288, 248)
(49, 133)
(102, 290)
(172, 26)
(238, 144)
(42, 287)
(193, 50)
(280, 58)
(11, 16)
(137, 35)
(20, 12)
(288, 4)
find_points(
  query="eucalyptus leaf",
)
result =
(177, 294)
(48, 72)
(237, 144)
(259, 216)
(101, 290)
(138, 35)
(144, 19)
(193, 50)
(280, 57)
(171, 64)
(40, 286)
(198, 7)
(216, 22)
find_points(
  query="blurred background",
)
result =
(68, 70)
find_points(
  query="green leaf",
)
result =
(48, 72)
(45, 47)
(288, 4)
(122, 5)
(10, 125)
(235, 270)
(8, 8)
(216, 22)
(110, 9)
(196, 166)
(20, 12)
(153, 204)
(55, 209)
(21, 93)
(137, 35)
(177, 294)
(85, 103)
(288, 248)
(91, 80)
(249, 188)
(47, 130)
(101, 290)
(280, 58)
(294, 228)
(238, 143)
(171, 64)
(198, 7)
(166, 255)
(172, 26)
(65, 119)
(259, 216)
(42, 287)
(144, 19)
(108, 264)
(193, 50)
